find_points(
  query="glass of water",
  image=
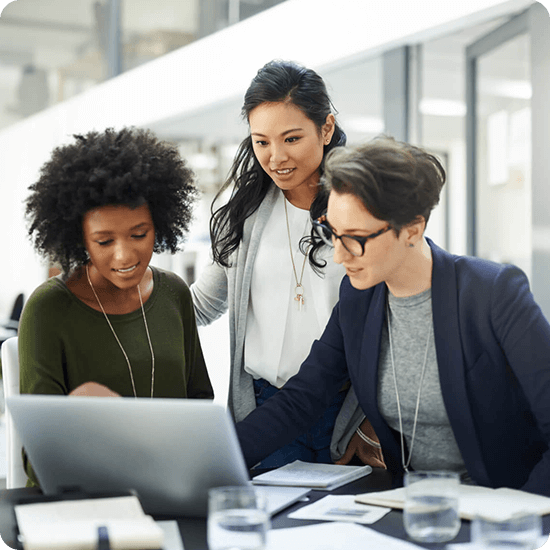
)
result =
(519, 532)
(237, 519)
(431, 506)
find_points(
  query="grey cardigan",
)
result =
(220, 289)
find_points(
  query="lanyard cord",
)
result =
(406, 464)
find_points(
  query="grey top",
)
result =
(220, 289)
(435, 447)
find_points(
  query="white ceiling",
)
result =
(56, 33)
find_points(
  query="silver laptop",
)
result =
(171, 451)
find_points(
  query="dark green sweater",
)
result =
(64, 343)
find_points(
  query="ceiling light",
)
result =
(442, 107)
(202, 161)
(363, 124)
(515, 89)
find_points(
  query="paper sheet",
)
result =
(172, 537)
(340, 508)
(333, 536)
(473, 500)
(543, 544)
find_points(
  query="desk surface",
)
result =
(193, 530)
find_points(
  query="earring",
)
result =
(411, 245)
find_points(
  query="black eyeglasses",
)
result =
(355, 245)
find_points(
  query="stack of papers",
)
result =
(73, 524)
(473, 501)
(324, 477)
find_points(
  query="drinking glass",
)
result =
(431, 506)
(519, 532)
(237, 519)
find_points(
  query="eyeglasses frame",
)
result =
(322, 223)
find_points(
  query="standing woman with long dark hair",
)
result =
(278, 301)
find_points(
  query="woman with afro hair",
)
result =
(111, 324)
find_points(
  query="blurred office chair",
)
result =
(16, 476)
(13, 321)
(9, 327)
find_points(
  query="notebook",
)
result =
(171, 451)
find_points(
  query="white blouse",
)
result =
(279, 332)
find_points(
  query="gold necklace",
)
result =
(298, 289)
(116, 337)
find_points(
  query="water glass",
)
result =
(519, 532)
(237, 519)
(431, 506)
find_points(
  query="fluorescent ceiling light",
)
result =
(497, 148)
(363, 124)
(202, 161)
(442, 107)
(514, 89)
(229, 151)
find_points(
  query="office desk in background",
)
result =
(193, 530)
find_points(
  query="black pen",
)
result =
(103, 538)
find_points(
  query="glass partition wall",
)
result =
(499, 122)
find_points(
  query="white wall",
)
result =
(24, 147)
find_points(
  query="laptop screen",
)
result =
(171, 451)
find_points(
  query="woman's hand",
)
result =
(367, 448)
(94, 389)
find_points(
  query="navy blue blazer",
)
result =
(493, 352)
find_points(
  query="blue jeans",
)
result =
(311, 446)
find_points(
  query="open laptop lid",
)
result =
(171, 451)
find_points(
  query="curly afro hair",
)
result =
(125, 167)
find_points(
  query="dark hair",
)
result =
(126, 167)
(277, 81)
(397, 182)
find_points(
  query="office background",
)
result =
(467, 80)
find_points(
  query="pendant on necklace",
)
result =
(299, 291)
